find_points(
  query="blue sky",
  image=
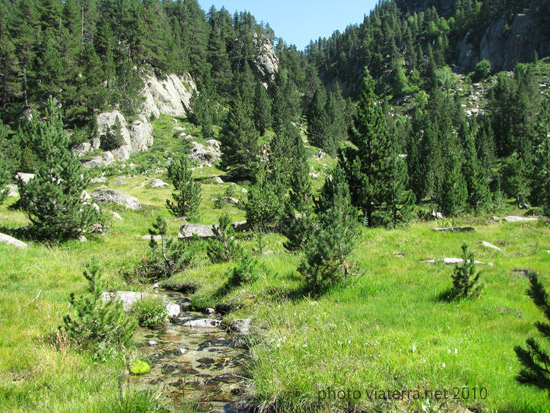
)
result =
(299, 21)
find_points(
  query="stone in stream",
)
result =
(203, 323)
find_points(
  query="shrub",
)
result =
(246, 271)
(481, 71)
(164, 258)
(535, 359)
(96, 325)
(113, 139)
(150, 312)
(223, 247)
(465, 280)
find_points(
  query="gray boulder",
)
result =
(159, 183)
(519, 219)
(82, 148)
(6, 239)
(455, 229)
(111, 196)
(98, 180)
(208, 154)
(187, 231)
(95, 162)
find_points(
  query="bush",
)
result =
(465, 280)
(150, 312)
(223, 247)
(535, 359)
(481, 71)
(164, 258)
(246, 271)
(113, 139)
(96, 325)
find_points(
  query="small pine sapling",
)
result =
(187, 196)
(223, 247)
(535, 360)
(465, 280)
(97, 325)
(164, 258)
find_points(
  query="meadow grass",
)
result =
(388, 326)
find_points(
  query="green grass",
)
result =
(384, 328)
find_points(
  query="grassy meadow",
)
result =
(388, 327)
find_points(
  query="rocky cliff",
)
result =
(169, 95)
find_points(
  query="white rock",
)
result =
(217, 180)
(155, 237)
(489, 245)
(111, 196)
(13, 190)
(98, 180)
(170, 96)
(173, 310)
(203, 323)
(519, 219)
(93, 163)
(107, 158)
(82, 148)
(24, 177)
(449, 261)
(159, 183)
(202, 231)
(116, 215)
(6, 239)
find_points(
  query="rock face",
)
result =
(266, 64)
(6, 239)
(169, 96)
(505, 44)
(111, 196)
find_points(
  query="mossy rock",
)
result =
(139, 368)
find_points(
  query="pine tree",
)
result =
(97, 325)
(4, 179)
(453, 194)
(376, 178)
(239, 141)
(187, 197)
(465, 280)
(332, 240)
(223, 247)
(53, 199)
(264, 204)
(474, 174)
(316, 116)
(262, 109)
(535, 359)
(541, 171)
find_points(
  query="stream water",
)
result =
(193, 367)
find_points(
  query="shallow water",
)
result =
(193, 366)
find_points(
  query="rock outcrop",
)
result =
(188, 231)
(169, 96)
(208, 154)
(266, 64)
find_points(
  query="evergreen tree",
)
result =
(453, 194)
(239, 141)
(4, 179)
(332, 240)
(97, 325)
(53, 199)
(541, 172)
(476, 182)
(223, 247)
(535, 359)
(262, 109)
(376, 178)
(316, 116)
(465, 280)
(187, 197)
(264, 204)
